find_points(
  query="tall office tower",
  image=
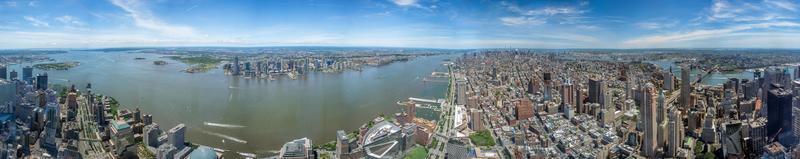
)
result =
(494, 73)
(757, 135)
(176, 136)
(709, 133)
(151, 134)
(533, 86)
(661, 109)
(100, 115)
(12, 75)
(685, 87)
(749, 89)
(548, 85)
(772, 77)
(628, 90)
(579, 100)
(3, 72)
(779, 112)
(41, 81)
(675, 135)
(746, 108)
(461, 92)
(649, 118)
(797, 72)
(597, 91)
(48, 141)
(608, 101)
(27, 74)
(235, 67)
(476, 119)
(735, 84)
(411, 110)
(247, 66)
(669, 81)
(567, 94)
(258, 69)
(524, 109)
(345, 145)
(693, 121)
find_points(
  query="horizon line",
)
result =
(410, 47)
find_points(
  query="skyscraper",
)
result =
(27, 74)
(41, 81)
(151, 133)
(533, 86)
(669, 82)
(13, 75)
(548, 85)
(709, 133)
(3, 72)
(235, 67)
(524, 109)
(685, 88)
(661, 109)
(176, 136)
(411, 110)
(567, 93)
(649, 118)
(597, 91)
(476, 119)
(675, 135)
(779, 111)
(579, 100)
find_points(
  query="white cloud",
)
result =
(144, 19)
(69, 20)
(589, 27)
(36, 22)
(405, 2)
(557, 14)
(659, 40)
(11, 3)
(554, 11)
(545, 11)
(782, 4)
(767, 10)
(514, 21)
(190, 8)
(656, 25)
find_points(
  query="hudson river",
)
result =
(250, 115)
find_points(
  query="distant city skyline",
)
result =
(400, 23)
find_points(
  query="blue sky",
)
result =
(401, 23)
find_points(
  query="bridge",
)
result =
(676, 94)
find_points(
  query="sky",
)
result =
(401, 23)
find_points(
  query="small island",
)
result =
(160, 62)
(197, 63)
(56, 66)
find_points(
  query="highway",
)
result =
(442, 134)
(90, 144)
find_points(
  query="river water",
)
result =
(716, 78)
(250, 115)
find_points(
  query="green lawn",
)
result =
(329, 146)
(482, 138)
(191, 60)
(418, 152)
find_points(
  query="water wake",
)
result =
(225, 137)
(223, 125)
